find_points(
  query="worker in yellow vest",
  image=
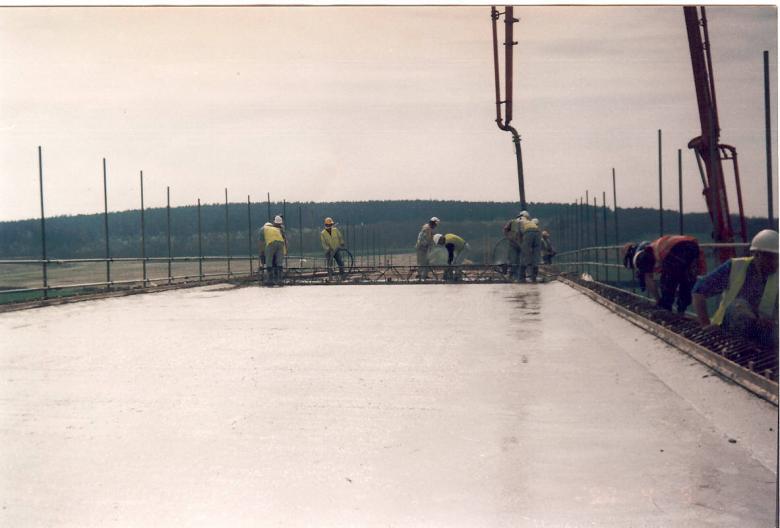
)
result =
(748, 288)
(272, 244)
(532, 246)
(332, 243)
(423, 246)
(514, 236)
(457, 249)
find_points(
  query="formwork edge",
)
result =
(747, 379)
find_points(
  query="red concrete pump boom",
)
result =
(709, 153)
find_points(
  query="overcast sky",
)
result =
(355, 103)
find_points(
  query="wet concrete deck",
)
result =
(430, 405)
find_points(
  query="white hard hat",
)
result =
(435, 219)
(535, 221)
(278, 220)
(523, 213)
(766, 241)
(436, 238)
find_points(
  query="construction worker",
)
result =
(332, 244)
(272, 247)
(514, 236)
(531, 248)
(548, 251)
(457, 249)
(678, 259)
(423, 245)
(748, 304)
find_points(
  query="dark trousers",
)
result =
(678, 275)
(339, 261)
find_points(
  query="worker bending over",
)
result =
(678, 259)
(514, 236)
(748, 288)
(272, 246)
(457, 249)
(332, 244)
(532, 246)
(424, 245)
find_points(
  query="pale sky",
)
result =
(357, 103)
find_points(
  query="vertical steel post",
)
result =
(105, 222)
(578, 218)
(768, 127)
(595, 221)
(284, 227)
(660, 187)
(268, 204)
(300, 233)
(43, 229)
(200, 245)
(168, 215)
(586, 240)
(578, 214)
(582, 234)
(604, 215)
(596, 235)
(227, 232)
(680, 186)
(614, 204)
(249, 232)
(143, 232)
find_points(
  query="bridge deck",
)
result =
(436, 405)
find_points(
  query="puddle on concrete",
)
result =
(527, 306)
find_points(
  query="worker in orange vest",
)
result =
(678, 259)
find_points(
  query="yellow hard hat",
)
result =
(328, 221)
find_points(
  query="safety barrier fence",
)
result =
(30, 279)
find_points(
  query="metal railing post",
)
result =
(606, 244)
(249, 233)
(227, 232)
(680, 186)
(768, 132)
(300, 233)
(586, 238)
(614, 204)
(105, 221)
(200, 246)
(660, 187)
(284, 225)
(43, 228)
(143, 232)
(168, 216)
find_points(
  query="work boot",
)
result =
(534, 273)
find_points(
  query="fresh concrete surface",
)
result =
(429, 405)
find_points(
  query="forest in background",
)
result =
(380, 226)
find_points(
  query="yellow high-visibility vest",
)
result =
(272, 234)
(331, 241)
(527, 225)
(737, 276)
(455, 240)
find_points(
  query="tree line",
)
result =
(378, 226)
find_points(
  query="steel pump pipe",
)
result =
(503, 123)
